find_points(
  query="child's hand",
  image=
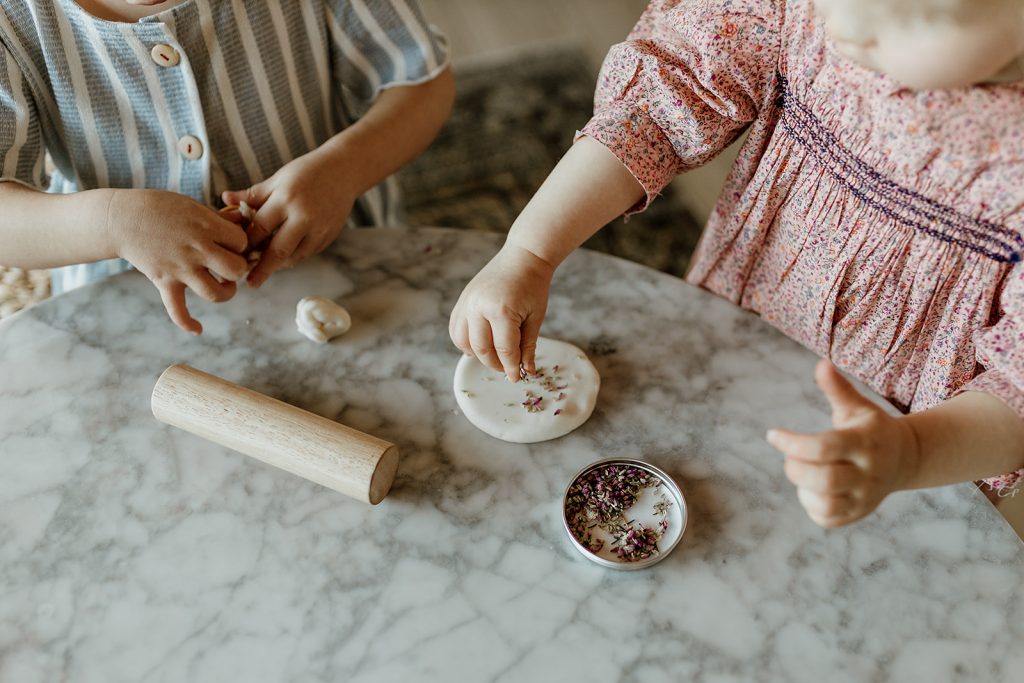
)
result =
(842, 475)
(176, 243)
(300, 210)
(498, 317)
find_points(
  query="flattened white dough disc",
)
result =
(552, 404)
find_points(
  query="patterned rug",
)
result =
(512, 122)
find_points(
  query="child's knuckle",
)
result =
(225, 293)
(834, 478)
(505, 349)
(483, 307)
(506, 311)
(834, 506)
(238, 269)
(819, 448)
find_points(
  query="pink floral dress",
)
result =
(878, 226)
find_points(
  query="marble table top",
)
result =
(133, 551)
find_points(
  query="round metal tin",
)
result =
(677, 518)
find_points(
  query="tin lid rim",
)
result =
(670, 484)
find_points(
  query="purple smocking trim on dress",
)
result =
(942, 222)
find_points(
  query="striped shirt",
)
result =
(207, 96)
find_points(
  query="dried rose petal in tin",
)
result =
(623, 513)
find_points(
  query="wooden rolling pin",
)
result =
(279, 434)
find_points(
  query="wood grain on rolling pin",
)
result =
(297, 441)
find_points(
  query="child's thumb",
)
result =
(254, 196)
(841, 394)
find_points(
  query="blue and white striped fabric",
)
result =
(256, 83)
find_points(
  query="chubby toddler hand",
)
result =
(842, 475)
(177, 243)
(299, 211)
(499, 314)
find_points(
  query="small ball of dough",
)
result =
(321, 319)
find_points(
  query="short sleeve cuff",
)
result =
(637, 141)
(425, 65)
(41, 185)
(999, 385)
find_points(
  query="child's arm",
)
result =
(842, 475)
(170, 238)
(499, 314)
(306, 203)
(41, 230)
(691, 77)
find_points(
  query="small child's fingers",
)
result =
(458, 330)
(835, 522)
(277, 254)
(231, 213)
(505, 335)
(205, 285)
(303, 250)
(827, 507)
(227, 263)
(482, 343)
(173, 296)
(528, 342)
(267, 221)
(825, 447)
(229, 235)
(258, 237)
(844, 398)
(232, 197)
(830, 479)
(254, 196)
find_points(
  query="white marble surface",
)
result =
(131, 551)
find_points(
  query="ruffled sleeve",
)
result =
(1000, 350)
(380, 44)
(685, 84)
(22, 153)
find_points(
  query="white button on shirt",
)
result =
(190, 147)
(254, 88)
(165, 55)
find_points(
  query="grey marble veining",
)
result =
(131, 551)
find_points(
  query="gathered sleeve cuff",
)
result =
(1000, 349)
(637, 141)
(686, 83)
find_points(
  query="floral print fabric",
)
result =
(881, 227)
